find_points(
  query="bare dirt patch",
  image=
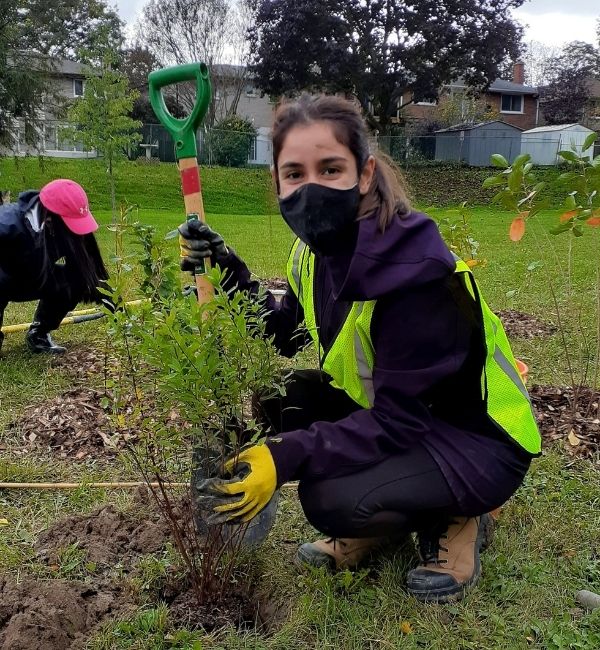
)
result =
(524, 326)
(107, 536)
(61, 614)
(570, 415)
(54, 614)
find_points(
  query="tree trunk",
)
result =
(113, 201)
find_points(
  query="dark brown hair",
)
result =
(387, 194)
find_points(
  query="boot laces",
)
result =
(430, 545)
(336, 540)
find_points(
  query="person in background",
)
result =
(48, 253)
(417, 419)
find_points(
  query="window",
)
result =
(78, 87)
(512, 104)
(252, 154)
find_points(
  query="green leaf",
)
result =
(515, 180)
(578, 231)
(589, 141)
(492, 181)
(521, 160)
(569, 155)
(570, 202)
(563, 227)
(568, 176)
(499, 161)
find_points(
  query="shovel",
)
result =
(183, 132)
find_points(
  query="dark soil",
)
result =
(572, 416)
(60, 614)
(108, 537)
(274, 283)
(524, 326)
(53, 614)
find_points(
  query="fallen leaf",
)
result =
(406, 627)
(517, 229)
(3, 522)
(574, 441)
(567, 216)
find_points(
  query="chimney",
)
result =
(519, 72)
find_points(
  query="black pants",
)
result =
(51, 309)
(406, 492)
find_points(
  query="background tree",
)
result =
(138, 63)
(180, 31)
(463, 108)
(63, 28)
(536, 58)
(228, 143)
(212, 31)
(22, 80)
(563, 100)
(101, 118)
(32, 34)
(378, 50)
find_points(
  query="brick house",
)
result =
(516, 103)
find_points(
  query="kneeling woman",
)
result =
(417, 419)
(48, 253)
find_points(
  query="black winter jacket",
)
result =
(30, 268)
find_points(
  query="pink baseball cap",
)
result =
(69, 201)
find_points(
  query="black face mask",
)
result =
(324, 218)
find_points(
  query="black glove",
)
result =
(197, 242)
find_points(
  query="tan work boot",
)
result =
(450, 562)
(338, 553)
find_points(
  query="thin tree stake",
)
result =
(108, 485)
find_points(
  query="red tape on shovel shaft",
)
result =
(190, 181)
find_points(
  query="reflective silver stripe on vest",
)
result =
(296, 265)
(512, 373)
(364, 372)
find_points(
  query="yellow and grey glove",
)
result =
(240, 498)
(197, 242)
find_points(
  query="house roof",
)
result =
(555, 127)
(468, 126)
(67, 68)
(502, 86)
(499, 86)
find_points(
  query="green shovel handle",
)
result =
(183, 131)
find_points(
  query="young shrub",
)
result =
(520, 193)
(184, 383)
(228, 143)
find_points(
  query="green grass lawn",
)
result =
(546, 546)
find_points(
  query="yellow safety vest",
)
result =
(351, 358)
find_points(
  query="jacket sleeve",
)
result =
(421, 339)
(283, 318)
(12, 244)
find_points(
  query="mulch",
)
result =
(571, 416)
(71, 425)
(520, 325)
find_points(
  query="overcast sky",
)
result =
(549, 21)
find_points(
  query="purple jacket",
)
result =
(429, 354)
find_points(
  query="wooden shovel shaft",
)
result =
(192, 197)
